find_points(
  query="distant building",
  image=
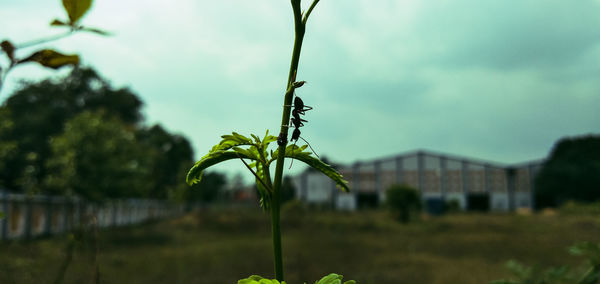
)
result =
(472, 184)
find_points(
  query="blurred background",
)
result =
(468, 131)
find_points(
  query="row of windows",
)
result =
(436, 174)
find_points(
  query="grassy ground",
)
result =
(224, 246)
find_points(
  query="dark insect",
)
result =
(299, 106)
(282, 138)
(297, 122)
(295, 135)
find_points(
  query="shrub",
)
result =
(402, 200)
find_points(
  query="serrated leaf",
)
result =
(246, 152)
(195, 173)
(51, 59)
(256, 139)
(76, 9)
(57, 22)
(268, 139)
(298, 153)
(9, 49)
(230, 141)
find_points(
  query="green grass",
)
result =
(224, 246)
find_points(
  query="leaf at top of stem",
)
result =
(298, 153)
(76, 9)
(51, 59)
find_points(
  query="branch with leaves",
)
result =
(49, 58)
(237, 146)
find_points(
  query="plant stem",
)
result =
(299, 25)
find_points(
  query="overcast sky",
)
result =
(498, 80)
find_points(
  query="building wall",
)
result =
(434, 175)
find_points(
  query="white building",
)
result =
(473, 184)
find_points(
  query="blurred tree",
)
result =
(288, 190)
(208, 189)
(572, 172)
(402, 200)
(8, 147)
(39, 111)
(97, 157)
(171, 155)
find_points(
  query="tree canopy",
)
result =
(572, 172)
(79, 135)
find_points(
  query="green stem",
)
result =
(300, 25)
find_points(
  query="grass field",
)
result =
(368, 246)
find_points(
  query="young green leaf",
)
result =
(76, 9)
(265, 193)
(267, 140)
(255, 279)
(298, 153)
(331, 279)
(195, 173)
(230, 141)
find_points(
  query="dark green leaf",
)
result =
(76, 9)
(52, 59)
(298, 153)
(1, 215)
(9, 49)
(195, 173)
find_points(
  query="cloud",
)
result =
(498, 79)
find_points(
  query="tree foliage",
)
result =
(80, 135)
(39, 111)
(402, 201)
(96, 157)
(572, 172)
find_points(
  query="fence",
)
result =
(34, 216)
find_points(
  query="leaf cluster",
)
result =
(255, 149)
(329, 279)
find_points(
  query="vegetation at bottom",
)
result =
(223, 246)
